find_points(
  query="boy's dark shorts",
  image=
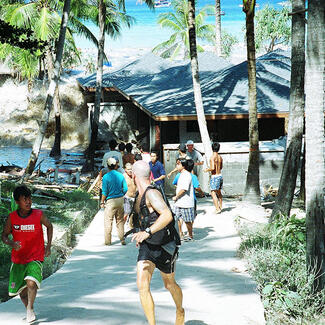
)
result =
(156, 254)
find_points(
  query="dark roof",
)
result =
(165, 88)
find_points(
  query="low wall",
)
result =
(235, 165)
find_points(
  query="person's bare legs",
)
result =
(144, 274)
(179, 222)
(31, 295)
(219, 197)
(216, 200)
(189, 226)
(176, 292)
(24, 297)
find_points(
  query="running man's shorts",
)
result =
(19, 273)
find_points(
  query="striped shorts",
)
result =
(186, 214)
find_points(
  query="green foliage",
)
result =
(227, 42)
(289, 233)
(276, 259)
(272, 27)
(23, 38)
(177, 22)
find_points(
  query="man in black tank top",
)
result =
(151, 256)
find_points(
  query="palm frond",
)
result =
(20, 15)
(82, 29)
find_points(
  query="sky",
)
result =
(146, 33)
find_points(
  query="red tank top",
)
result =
(29, 232)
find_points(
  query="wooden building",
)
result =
(151, 100)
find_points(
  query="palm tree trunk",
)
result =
(302, 192)
(315, 168)
(205, 138)
(218, 29)
(252, 188)
(288, 179)
(50, 94)
(56, 149)
(89, 164)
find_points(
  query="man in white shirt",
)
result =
(184, 198)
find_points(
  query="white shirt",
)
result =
(185, 183)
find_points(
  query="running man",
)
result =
(151, 256)
(216, 180)
(28, 251)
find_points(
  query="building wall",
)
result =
(232, 129)
(235, 165)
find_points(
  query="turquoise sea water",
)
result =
(145, 33)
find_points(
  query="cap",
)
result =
(182, 147)
(111, 162)
(189, 142)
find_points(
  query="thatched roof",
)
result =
(165, 89)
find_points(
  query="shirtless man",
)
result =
(216, 180)
(151, 255)
(132, 189)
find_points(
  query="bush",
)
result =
(276, 259)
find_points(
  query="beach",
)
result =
(145, 33)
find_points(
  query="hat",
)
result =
(111, 162)
(182, 147)
(189, 142)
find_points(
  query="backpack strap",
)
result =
(171, 225)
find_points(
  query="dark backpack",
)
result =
(161, 237)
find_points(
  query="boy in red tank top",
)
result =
(28, 251)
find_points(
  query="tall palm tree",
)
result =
(89, 165)
(177, 21)
(218, 29)
(196, 83)
(288, 179)
(252, 188)
(315, 168)
(50, 94)
(109, 19)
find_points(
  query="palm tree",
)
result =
(178, 22)
(89, 164)
(252, 188)
(196, 83)
(109, 19)
(315, 169)
(56, 149)
(50, 94)
(218, 29)
(288, 179)
(43, 18)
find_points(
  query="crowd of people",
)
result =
(132, 192)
